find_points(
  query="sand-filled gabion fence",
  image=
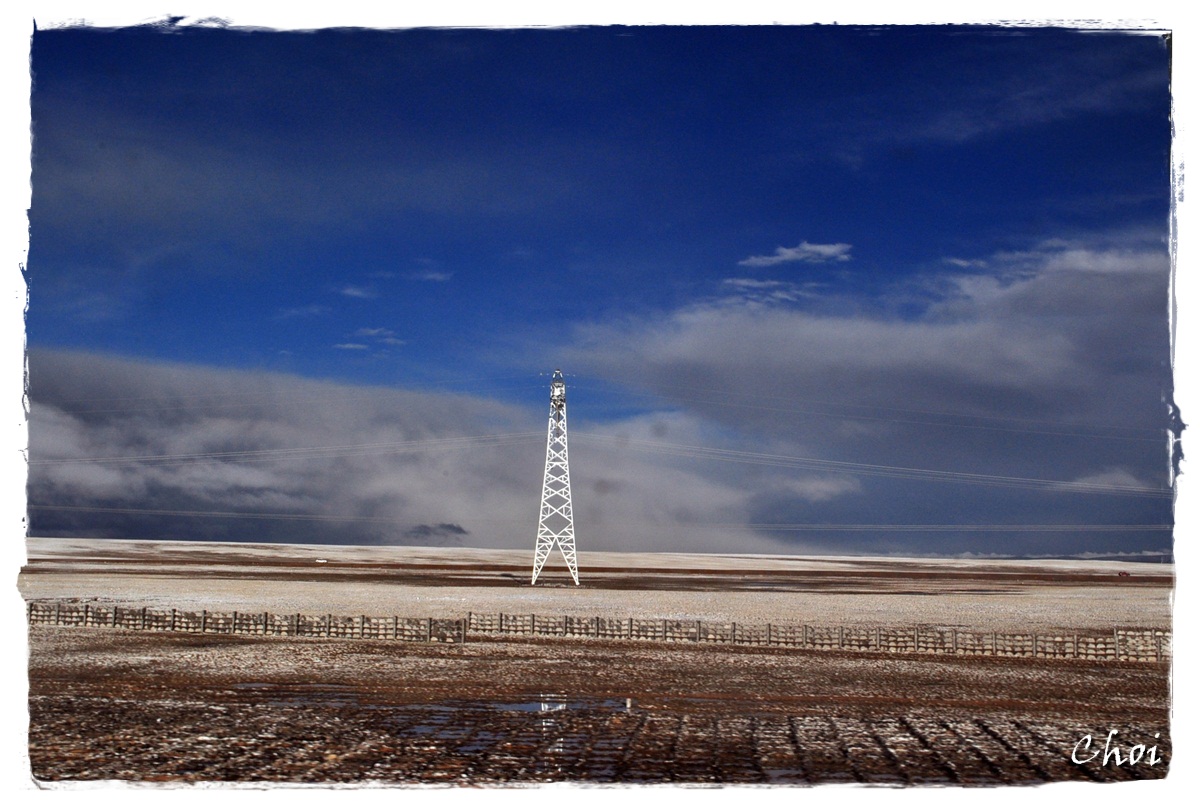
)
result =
(1139, 645)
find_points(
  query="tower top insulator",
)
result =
(558, 389)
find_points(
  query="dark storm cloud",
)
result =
(125, 448)
(440, 534)
(335, 463)
(1052, 364)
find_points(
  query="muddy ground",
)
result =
(177, 708)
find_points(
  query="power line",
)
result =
(283, 399)
(843, 402)
(193, 513)
(284, 454)
(859, 468)
(927, 423)
(666, 448)
(905, 527)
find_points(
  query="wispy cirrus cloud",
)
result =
(804, 253)
(381, 335)
(752, 291)
(358, 292)
(432, 276)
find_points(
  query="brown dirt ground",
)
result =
(176, 708)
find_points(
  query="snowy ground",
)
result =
(1028, 595)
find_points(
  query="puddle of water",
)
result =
(551, 703)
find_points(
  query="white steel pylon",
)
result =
(556, 524)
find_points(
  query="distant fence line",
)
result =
(1144, 645)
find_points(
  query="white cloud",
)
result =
(820, 488)
(804, 253)
(1113, 476)
(358, 292)
(350, 346)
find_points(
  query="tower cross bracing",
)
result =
(556, 522)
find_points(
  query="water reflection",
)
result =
(559, 743)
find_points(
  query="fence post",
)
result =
(429, 630)
(203, 620)
(467, 626)
(768, 634)
(1157, 646)
(841, 637)
(143, 619)
(57, 613)
(116, 609)
(1035, 646)
(697, 631)
(631, 628)
(954, 639)
(733, 632)
(597, 624)
(172, 619)
(233, 626)
(464, 629)
(395, 627)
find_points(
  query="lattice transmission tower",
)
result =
(556, 524)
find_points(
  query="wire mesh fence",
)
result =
(1139, 645)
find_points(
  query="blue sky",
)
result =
(895, 281)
